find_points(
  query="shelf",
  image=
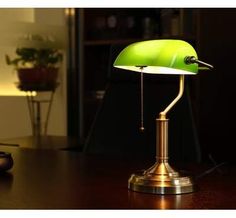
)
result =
(129, 41)
(110, 41)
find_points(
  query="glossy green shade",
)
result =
(163, 56)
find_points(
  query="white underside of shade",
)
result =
(156, 70)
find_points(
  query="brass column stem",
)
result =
(162, 140)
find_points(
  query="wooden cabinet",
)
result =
(99, 30)
(217, 93)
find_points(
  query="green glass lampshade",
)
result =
(165, 56)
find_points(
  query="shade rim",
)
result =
(156, 70)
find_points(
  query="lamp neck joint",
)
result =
(162, 116)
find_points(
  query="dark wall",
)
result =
(217, 117)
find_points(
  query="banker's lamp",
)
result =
(172, 57)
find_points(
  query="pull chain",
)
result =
(141, 103)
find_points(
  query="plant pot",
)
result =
(36, 79)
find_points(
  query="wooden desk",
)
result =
(42, 179)
(44, 142)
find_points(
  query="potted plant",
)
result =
(37, 68)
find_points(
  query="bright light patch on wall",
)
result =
(22, 34)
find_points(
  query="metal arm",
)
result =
(162, 114)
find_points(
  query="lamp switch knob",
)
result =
(193, 60)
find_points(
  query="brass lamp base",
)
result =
(161, 179)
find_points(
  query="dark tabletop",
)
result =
(57, 179)
(43, 142)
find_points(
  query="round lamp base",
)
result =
(149, 183)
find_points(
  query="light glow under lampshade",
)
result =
(165, 56)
